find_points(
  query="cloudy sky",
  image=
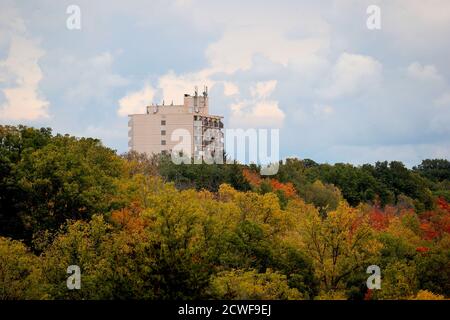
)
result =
(338, 91)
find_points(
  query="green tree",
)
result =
(325, 197)
(399, 281)
(433, 271)
(20, 273)
(434, 169)
(69, 178)
(15, 142)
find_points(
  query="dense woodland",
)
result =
(144, 228)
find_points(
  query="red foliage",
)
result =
(422, 249)
(434, 224)
(355, 225)
(444, 205)
(428, 231)
(378, 219)
(368, 295)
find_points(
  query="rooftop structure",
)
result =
(163, 128)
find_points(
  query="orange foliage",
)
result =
(255, 180)
(287, 188)
(129, 218)
(252, 177)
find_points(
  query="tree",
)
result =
(69, 178)
(250, 285)
(20, 274)
(298, 268)
(399, 281)
(176, 224)
(325, 197)
(340, 244)
(141, 163)
(202, 176)
(434, 169)
(433, 271)
(115, 262)
(15, 143)
(403, 181)
(141, 227)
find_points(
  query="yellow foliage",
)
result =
(427, 295)
(338, 244)
(332, 295)
(399, 230)
(250, 285)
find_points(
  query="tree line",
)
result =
(141, 227)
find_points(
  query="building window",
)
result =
(163, 122)
(163, 132)
(163, 142)
(164, 152)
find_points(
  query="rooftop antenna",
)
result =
(205, 95)
(171, 103)
(196, 100)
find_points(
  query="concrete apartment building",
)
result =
(163, 128)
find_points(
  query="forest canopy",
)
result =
(142, 227)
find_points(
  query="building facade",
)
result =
(188, 128)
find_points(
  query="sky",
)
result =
(337, 90)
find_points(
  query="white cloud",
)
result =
(258, 111)
(263, 89)
(424, 72)
(417, 26)
(350, 74)
(90, 79)
(174, 86)
(224, 57)
(256, 114)
(21, 74)
(230, 88)
(136, 102)
(245, 35)
(330, 71)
